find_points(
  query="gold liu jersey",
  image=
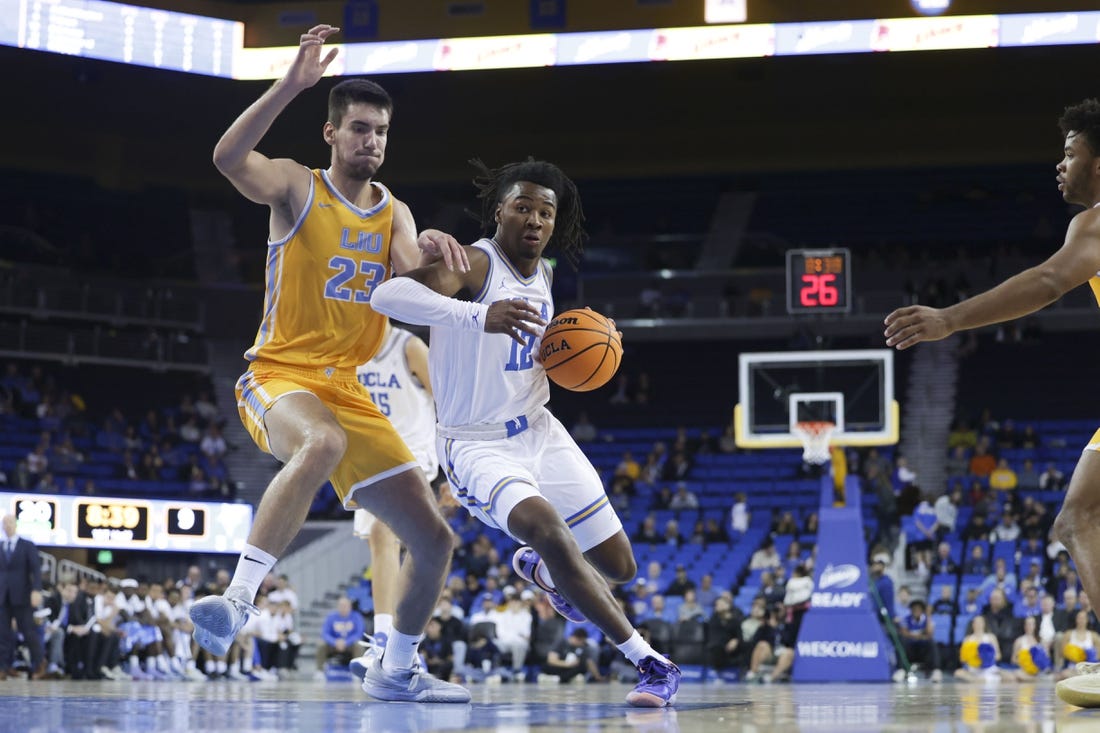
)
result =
(319, 279)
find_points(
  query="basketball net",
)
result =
(815, 435)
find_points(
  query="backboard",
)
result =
(852, 388)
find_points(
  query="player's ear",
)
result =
(328, 132)
(496, 214)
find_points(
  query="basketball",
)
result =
(581, 350)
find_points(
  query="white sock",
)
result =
(252, 567)
(134, 663)
(636, 649)
(400, 651)
(383, 624)
(209, 666)
(221, 666)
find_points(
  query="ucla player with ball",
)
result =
(508, 460)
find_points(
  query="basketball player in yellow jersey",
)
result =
(335, 235)
(1077, 262)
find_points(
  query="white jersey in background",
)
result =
(402, 398)
(458, 361)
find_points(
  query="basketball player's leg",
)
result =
(614, 558)
(385, 564)
(1077, 525)
(301, 431)
(536, 523)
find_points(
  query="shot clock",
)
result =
(818, 281)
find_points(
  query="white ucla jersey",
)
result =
(402, 398)
(483, 379)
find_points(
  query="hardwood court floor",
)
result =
(87, 707)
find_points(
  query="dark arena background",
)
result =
(729, 155)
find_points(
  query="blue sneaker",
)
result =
(525, 562)
(375, 646)
(217, 621)
(658, 685)
(410, 685)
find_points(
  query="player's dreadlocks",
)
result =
(493, 183)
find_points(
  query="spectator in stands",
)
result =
(647, 533)
(809, 526)
(513, 626)
(1006, 436)
(946, 604)
(438, 650)
(771, 590)
(766, 556)
(189, 430)
(1028, 640)
(1029, 438)
(740, 514)
(793, 557)
(926, 525)
(771, 644)
(878, 485)
(1037, 522)
(878, 461)
(1000, 621)
(903, 475)
(681, 583)
(976, 562)
(213, 445)
(152, 463)
(714, 532)
(958, 463)
(283, 592)
(1027, 478)
(129, 468)
(683, 498)
(677, 467)
(728, 442)
(1053, 622)
(651, 471)
(671, 534)
(1002, 478)
(643, 390)
(572, 658)
(659, 609)
(1052, 479)
(639, 599)
(698, 534)
(1001, 578)
(622, 390)
(946, 509)
(971, 605)
(723, 636)
(978, 634)
(982, 463)
(757, 614)
(583, 430)
(1006, 530)
(706, 593)
(917, 631)
(784, 524)
(38, 461)
(340, 632)
(206, 409)
(942, 564)
(902, 598)
(662, 499)
(628, 467)
(976, 528)
(1028, 602)
(690, 609)
(962, 435)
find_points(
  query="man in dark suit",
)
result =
(20, 573)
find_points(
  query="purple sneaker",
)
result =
(525, 562)
(658, 685)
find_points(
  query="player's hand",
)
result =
(909, 326)
(308, 67)
(610, 321)
(515, 317)
(437, 244)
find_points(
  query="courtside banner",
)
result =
(841, 639)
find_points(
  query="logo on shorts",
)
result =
(328, 372)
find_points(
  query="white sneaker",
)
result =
(192, 674)
(217, 619)
(1088, 667)
(234, 673)
(937, 676)
(410, 686)
(375, 645)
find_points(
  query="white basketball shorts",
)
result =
(489, 477)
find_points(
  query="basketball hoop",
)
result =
(814, 435)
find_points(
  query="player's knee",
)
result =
(326, 446)
(547, 537)
(621, 569)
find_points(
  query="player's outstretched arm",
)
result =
(1026, 292)
(256, 176)
(409, 251)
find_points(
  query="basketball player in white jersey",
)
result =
(1077, 262)
(397, 379)
(507, 459)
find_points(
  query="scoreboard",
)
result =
(129, 524)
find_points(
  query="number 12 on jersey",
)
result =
(520, 357)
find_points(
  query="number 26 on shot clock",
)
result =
(818, 281)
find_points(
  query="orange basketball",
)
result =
(581, 350)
